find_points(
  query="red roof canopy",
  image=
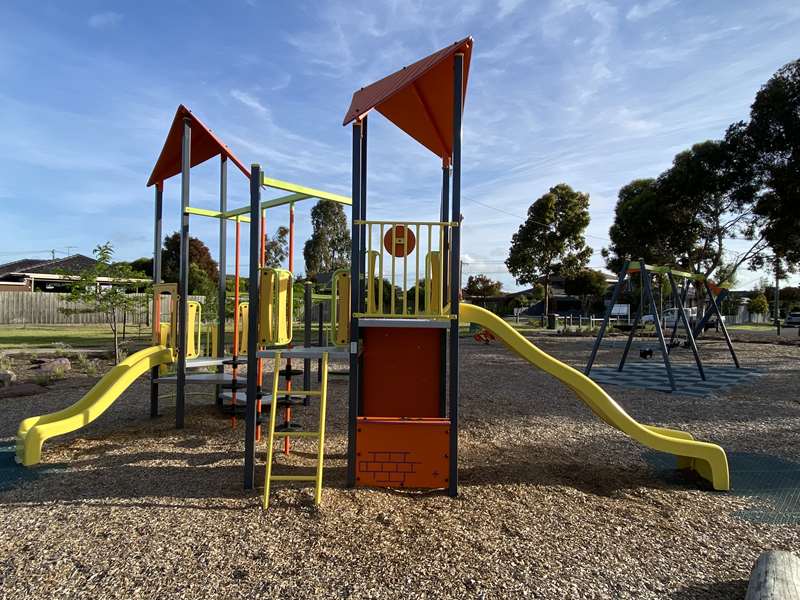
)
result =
(205, 145)
(418, 98)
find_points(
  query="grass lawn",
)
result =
(49, 336)
(752, 327)
(99, 336)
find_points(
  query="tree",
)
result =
(758, 305)
(649, 227)
(482, 286)
(276, 248)
(588, 285)
(199, 255)
(551, 239)
(772, 142)
(704, 180)
(328, 248)
(102, 288)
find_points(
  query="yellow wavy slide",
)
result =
(708, 460)
(34, 431)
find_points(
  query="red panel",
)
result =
(402, 372)
(402, 453)
(418, 98)
(205, 145)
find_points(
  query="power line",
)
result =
(489, 206)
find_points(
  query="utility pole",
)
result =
(777, 295)
(53, 254)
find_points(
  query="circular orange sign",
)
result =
(399, 241)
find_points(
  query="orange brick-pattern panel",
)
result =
(407, 453)
(386, 467)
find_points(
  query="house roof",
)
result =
(418, 98)
(205, 145)
(17, 266)
(70, 264)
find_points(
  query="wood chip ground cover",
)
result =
(554, 503)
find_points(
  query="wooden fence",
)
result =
(41, 308)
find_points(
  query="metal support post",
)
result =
(183, 276)
(252, 329)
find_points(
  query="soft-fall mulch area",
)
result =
(553, 504)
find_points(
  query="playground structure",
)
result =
(395, 314)
(714, 295)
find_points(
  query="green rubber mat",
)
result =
(12, 474)
(773, 484)
(652, 375)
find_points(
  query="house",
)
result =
(48, 275)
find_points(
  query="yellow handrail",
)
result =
(427, 245)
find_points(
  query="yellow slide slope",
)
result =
(706, 459)
(34, 431)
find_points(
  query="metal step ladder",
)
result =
(322, 394)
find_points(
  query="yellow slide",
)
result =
(34, 431)
(708, 460)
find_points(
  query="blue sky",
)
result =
(591, 93)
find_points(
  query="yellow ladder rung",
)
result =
(296, 434)
(272, 434)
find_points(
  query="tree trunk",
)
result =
(547, 296)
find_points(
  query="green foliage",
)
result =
(276, 249)
(483, 286)
(649, 227)
(772, 146)
(199, 255)
(328, 248)
(588, 285)
(551, 240)
(758, 305)
(102, 288)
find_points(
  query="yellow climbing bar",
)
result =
(307, 191)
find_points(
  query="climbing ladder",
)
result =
(322, 394)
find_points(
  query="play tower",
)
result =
(404, 290)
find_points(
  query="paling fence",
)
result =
(41, 308)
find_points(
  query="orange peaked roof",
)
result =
(205, 145)
(418, 98)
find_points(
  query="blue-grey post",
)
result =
(183, 275)
(648, 290)
(623, 273)
(252, 328)
(307, 307)
(455, 269)
(444, 216)
(721, 322)
(223, 267)
(156, 279)
(363, 234)
(685, 320)
(684, 295)
(355, 293)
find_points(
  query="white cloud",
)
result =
(506, 7)
(645, 9)
(250, 101)
(104, 20)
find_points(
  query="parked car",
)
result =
(792, 319)
(670, 316)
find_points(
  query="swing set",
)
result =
(715, 293)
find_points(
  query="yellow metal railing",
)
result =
(414, 273)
